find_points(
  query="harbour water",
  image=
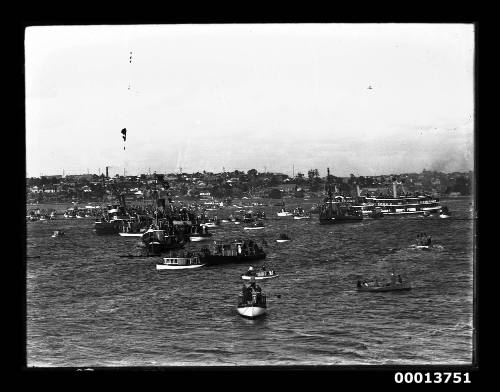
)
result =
(88, 307)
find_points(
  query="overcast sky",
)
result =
(204, 97)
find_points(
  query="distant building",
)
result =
(79, 177)
(288, 188)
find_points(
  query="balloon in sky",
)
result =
(124, 136)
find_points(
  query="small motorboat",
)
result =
(284, 213)
(210, 224)
(178, 263)
(283, 238)
(199, 237)
(262, 274)
(252, 302)
(301, 217)
(255, 226)
(131, 234)
(57, 233)
(420, 247)
(444, 213)
(425, 247)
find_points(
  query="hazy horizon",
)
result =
(367, 99)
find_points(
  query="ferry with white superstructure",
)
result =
(398, 204)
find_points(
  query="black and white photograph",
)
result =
(250, 195)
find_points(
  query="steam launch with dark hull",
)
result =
(333, 212)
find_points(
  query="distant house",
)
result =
(288, 188)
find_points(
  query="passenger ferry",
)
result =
(178, 263)
(398, 205)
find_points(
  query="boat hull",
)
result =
(247, 277)
(130, 234)
(252, 312)
(253, 228)
(177, 267)
(282, 240)
(112, 227)
(197, 239)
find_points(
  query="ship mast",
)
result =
(330, 196)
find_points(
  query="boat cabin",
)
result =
(181, 261)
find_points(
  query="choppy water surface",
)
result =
(88, 307)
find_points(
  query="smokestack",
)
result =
(107, 173)
(358, 190)
(394, 190)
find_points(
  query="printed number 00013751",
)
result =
(432, 378)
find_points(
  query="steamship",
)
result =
(335, 210)
(398, 204)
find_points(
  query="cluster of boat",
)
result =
(297, 213)
(170, 229)
(40, 215)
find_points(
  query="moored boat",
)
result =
(262, 274)
(199, 233)
(157, 240)
(236, 252)
(212, 225)
(284, 213)
(179, 263)
(445, 213)
(283, 238)
(130, 234)
(256, 226)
